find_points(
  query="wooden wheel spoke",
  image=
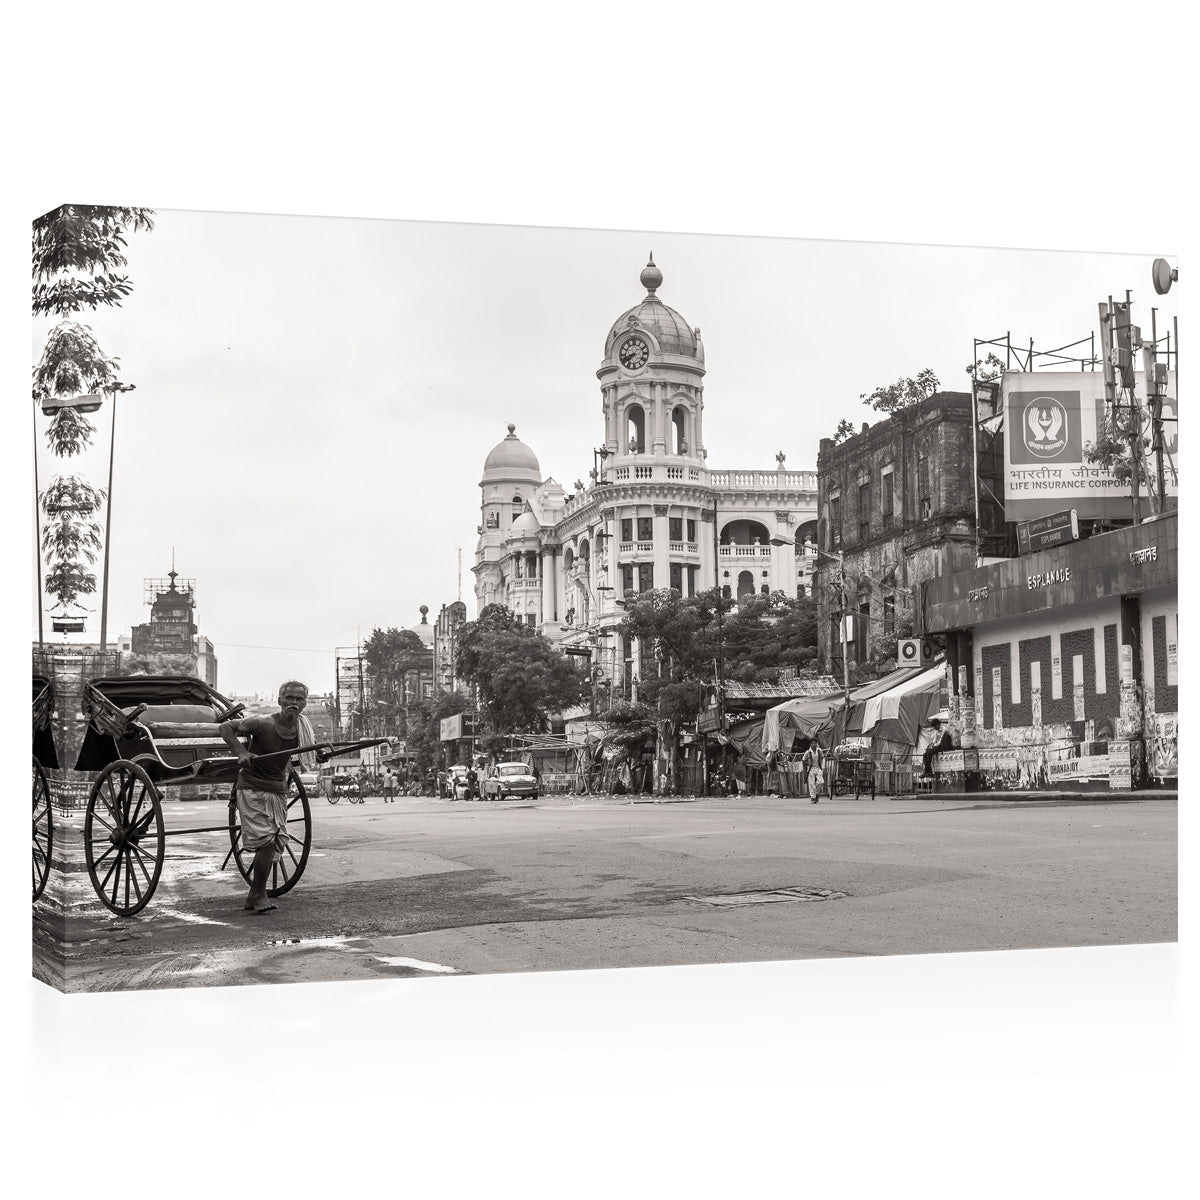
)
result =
(130, 876)
(111, 801)
(96, 814)
(134, 816)
(141, 857)
(112, 867)
(101, 841)
(117, 879)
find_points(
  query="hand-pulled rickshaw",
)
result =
(45, 758)
(148, 732)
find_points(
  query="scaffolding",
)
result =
(996, 537)
(1120, 339)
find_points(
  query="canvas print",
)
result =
(420, 600)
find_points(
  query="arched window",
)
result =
(806, 534)
(585, 550)
(743, 532)
(568, 559)
(679, 429)
(635, 429)
(518, 507)
(745, 584)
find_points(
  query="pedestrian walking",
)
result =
(814, 771)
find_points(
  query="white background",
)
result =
(1037, 1074)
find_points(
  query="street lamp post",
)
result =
(112, 441)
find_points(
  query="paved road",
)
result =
(424, 887)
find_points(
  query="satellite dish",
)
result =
(1164, 275)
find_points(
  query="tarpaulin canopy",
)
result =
(898, 714)
(796, 718)
(746, 739)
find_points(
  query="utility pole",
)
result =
(720, 603)
(837, 557)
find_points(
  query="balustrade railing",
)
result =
(774, 480)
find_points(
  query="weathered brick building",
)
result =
(897, 502)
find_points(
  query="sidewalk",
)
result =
(1062, 795)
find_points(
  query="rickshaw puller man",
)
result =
(263, 782)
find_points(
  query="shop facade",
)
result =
(1063, 664)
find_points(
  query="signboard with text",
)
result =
(1050, 418)
(1044, 532)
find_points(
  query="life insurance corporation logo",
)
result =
(1046, 427)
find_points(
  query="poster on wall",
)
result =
(1050, 419)
(1120, 767)
(1164, 749)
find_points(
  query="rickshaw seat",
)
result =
(177, 720)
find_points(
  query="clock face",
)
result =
(634, 353)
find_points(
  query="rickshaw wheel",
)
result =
(43, 830)
(285, 873)
(123, 838)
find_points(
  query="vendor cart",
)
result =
(45, 758)
(851, 770)
(148, 732)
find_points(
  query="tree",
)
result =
(425, 716)
(682, 640)
(904, 393)
(390, 657)
(519, 677)
(844, 430)
(76, 249)
(986, 370)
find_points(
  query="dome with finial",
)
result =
(512, 455)
(673, 334)
(424, 630)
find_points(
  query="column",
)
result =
(604, 600)
(662, 547)
(704, 536)
(549, 579)
(660, 406)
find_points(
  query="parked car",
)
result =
(310, 781)
(509, 779)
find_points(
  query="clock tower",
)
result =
(651, 383)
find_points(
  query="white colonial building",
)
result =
(654, 515)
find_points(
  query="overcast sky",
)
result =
(316, 396)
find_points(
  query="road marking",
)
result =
(416, 964)
(182, 916)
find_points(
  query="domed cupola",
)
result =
(525, 526)
(670, 332)
(512, 460)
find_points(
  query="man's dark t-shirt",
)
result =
(269, 776)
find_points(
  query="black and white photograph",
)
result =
(436, 598)
(605, 597)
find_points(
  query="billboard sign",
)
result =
(1050, 417)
